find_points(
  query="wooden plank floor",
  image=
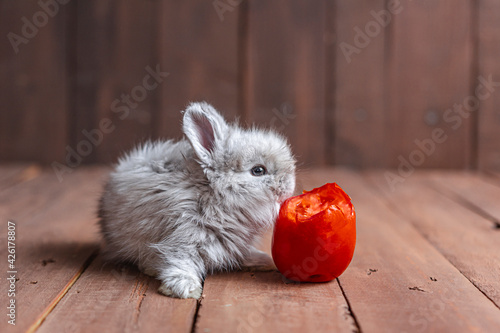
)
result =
(427, 260)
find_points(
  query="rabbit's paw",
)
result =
(182, 288)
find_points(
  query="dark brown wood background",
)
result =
(274, 63)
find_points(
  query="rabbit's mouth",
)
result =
(283, 195)
(285, 192)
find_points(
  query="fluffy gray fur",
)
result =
(181, 209)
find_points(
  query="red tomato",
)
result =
(315, 235)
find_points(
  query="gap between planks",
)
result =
(349, 308)
(61, 294)
(473, 190)
(470, 205)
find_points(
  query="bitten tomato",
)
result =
(315, 235)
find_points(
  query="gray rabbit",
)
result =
(179, 210)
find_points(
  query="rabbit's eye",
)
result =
(258, 170)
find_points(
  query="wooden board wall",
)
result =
(115, 44)
(428, 71)
(357, 96)
(349, 82)
(34, 82)
(286, 49)
(489, 115)
(199, 50)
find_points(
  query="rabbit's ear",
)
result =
(204, 127)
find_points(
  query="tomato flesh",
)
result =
(315, 235)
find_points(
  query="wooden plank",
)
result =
(201, 59)
(110, 298)
(23, 175)
(13, 174)
(115, 55)
(34, 68)
(19, 201)
(466, 239)
(489, 116)
(263, 302)
(10, 171)
(493, 177)
(426, 54)
(62, 237)
(22, 201)
(357, 94)
(55, 235)
(266, 302)
(397, 280)
(477, 192)
(285, 73)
